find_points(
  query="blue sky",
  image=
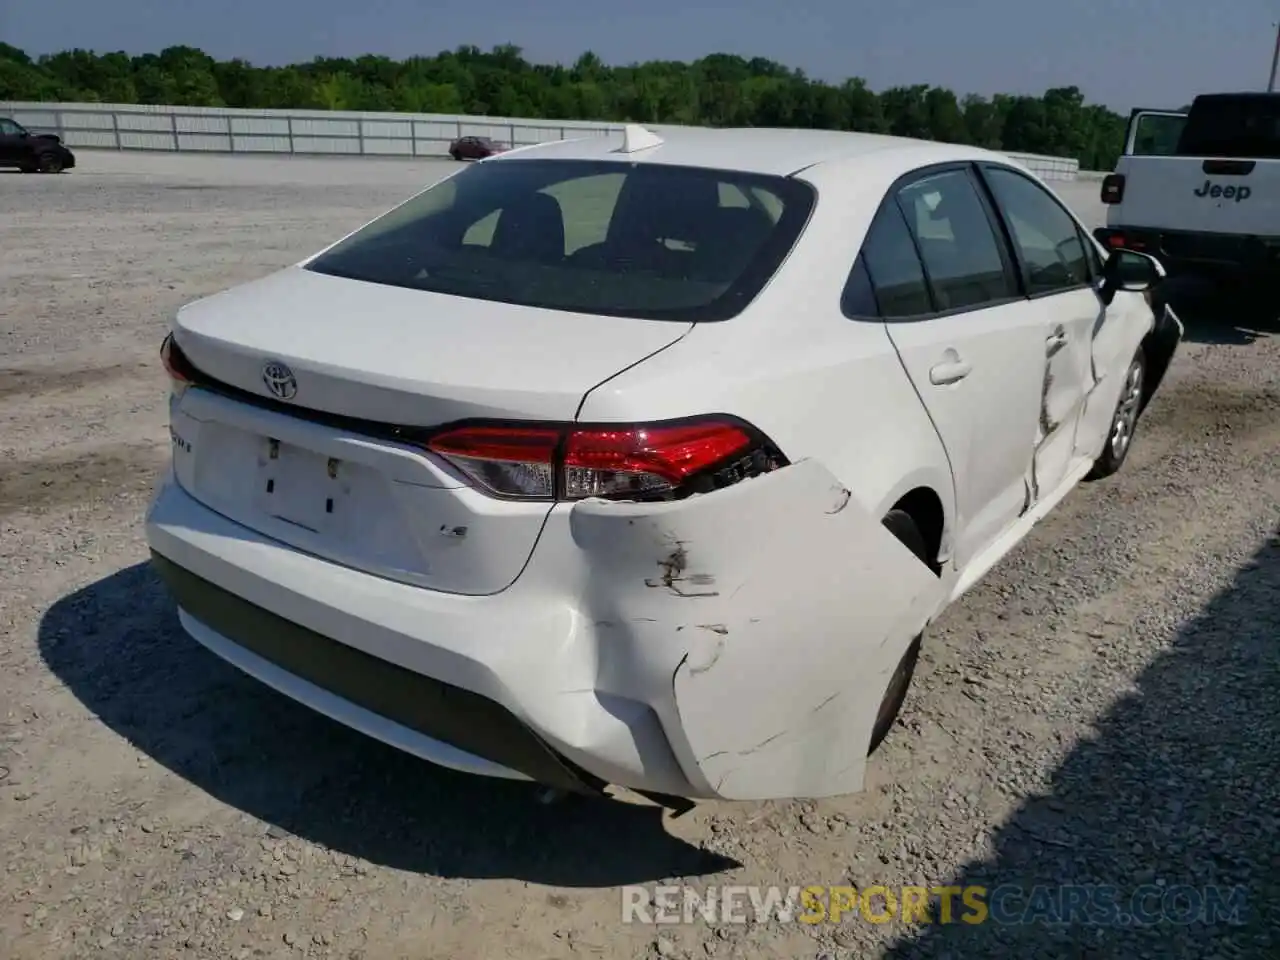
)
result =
(1120, 52)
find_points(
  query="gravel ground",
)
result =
(1101, 710)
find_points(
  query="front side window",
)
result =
(9, 128)
(1048, 240)
(957, 242)
(643, 240)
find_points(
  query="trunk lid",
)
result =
(396, 355)
(384, 355)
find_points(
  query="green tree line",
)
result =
(718, 90)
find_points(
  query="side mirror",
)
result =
(1129, 270)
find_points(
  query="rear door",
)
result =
(1154, 133)
(969, 341)
(1051, 250)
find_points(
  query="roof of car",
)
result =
(765, 150)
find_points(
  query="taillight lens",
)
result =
(1124, 241)
(646, 460)
(1113, 188)
(661, 461)
(176, 365)
(508, 461)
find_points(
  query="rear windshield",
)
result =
(1244, 127)
(621, 239)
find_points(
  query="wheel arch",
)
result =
(925, 507)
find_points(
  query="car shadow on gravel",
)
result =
(1171, 812)
(1211, 315)
(118, 647)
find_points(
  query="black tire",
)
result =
(1124, 420)
(456, 156)
(49, 163)
(900, 524)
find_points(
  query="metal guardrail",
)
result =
(320, 132)
(209, 130)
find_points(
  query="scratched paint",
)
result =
(829, 601)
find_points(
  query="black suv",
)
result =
(32, 152)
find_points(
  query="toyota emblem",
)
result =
(280, 380)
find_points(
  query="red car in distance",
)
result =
(475, 148)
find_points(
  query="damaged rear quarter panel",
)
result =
(783, 608)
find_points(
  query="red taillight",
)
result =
(1118, 241)
(176, 364)
(1113, 188)
(647, 461)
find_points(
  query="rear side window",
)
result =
(888, 272)
(858, 300)
(655, 241)
(957, 242)
(1047, 239)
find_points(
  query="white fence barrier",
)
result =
(323, 132)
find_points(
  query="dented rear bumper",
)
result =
(733, 645)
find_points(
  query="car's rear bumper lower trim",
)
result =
(440, 722)
(332, 706)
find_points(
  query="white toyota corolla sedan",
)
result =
(645, 460)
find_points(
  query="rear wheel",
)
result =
(902, 526)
